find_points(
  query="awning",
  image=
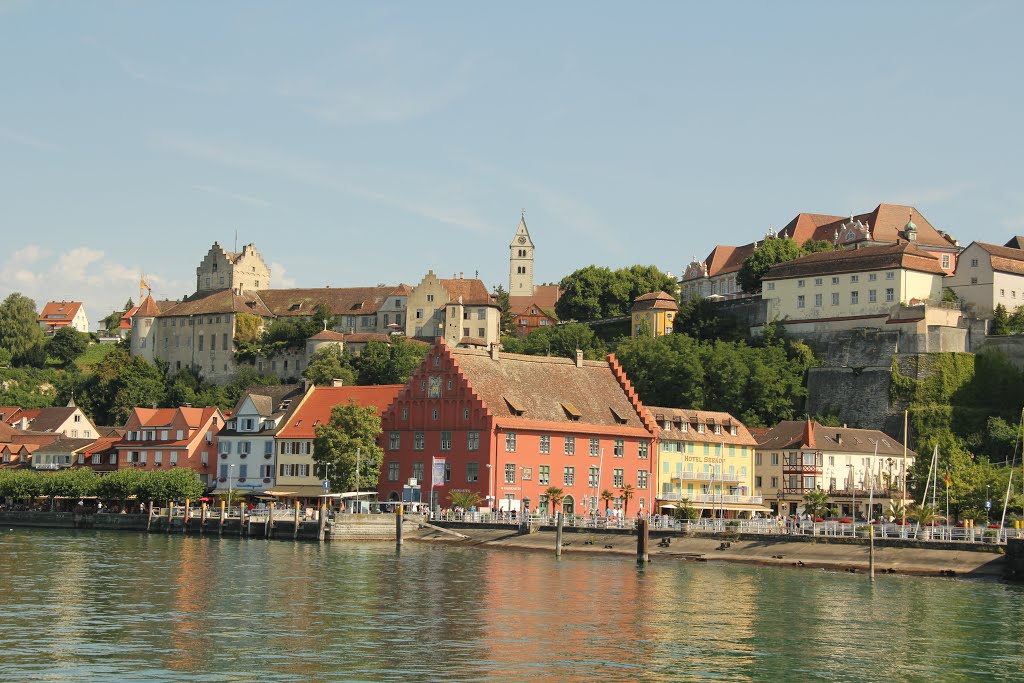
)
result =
(302, 491)
(735, 507)
(670, 506)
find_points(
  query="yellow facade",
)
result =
(655, 322)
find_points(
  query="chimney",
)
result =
(460, 274)
(494, 351)
(336, 382)
(579, 358)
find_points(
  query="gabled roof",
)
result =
(316, 409)
(9, 414)
(541, 387)
(544, 297)
(148, 308)
(218, 302)
(679, 416)
(64, 444)
(271, 400)
(799, 434)
(471, 291)
(905, 255)
(886, 223)
(1005, 259)
(56, 311)
(726, 259)
(49, 419)
(1016, 242)
(340, 301)
(328, 335)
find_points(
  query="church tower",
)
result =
(520, 260)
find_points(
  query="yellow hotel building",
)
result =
(706, 458)
(654, 314)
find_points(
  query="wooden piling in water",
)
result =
(184, 520)
(202, 519)
(269, 527)
(642, 541)
(871, 551)
(241, 519)
(149, 517)
(323, 522)
(398, 525)
(558, 536)
(295, 533)
(223, 516)
(170, 515)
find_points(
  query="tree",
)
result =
(555, 497)
(351, 428)
(507, 319)
(118, 385)
(19, 330)
(330, 363)
(770, 253)
(129, 305)
(247, 328)
(925, 515)
(703, 319)
(67, 345)
(1000, 321)
(596, 293)
(561, 340)
(627, 495)
(816, 503)
(112, 322)
(815, 246)
(393, 363)
(322, 317)
(607, 496)
(685, 511)
(466, 500)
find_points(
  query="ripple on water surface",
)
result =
(130, 607)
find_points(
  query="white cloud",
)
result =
(30, 254)
(278, 278)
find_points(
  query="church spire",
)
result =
(520, 266)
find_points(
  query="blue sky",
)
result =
(363, 143)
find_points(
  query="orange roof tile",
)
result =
(316, 408)
(56, 311)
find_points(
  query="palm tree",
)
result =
(465, 499)
(627, 493)
(607, 496)
(816, 503)
(555, 496)
(897, 510)
(925, 515)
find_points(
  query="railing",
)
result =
(909, 532)
(688, 475)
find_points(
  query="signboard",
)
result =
(327, 485)
(437, 477)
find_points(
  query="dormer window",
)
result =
(700, 427)
(572, 412)
(718, 429)
(514, 407)
(619, 419)
(733, 431)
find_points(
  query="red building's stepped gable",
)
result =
(511, 426)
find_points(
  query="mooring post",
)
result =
(149, 517)
(398, 525)
(295, 534)
(323, 522)
(871, 551)
(241, 519)
(223, 515)
(558, 535)
(642, 540)
(270, 521)
(202, 519)
(184, 520)
(170, 515)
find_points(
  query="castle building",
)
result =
(240, 272)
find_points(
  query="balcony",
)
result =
(688, 475)
(709, 498)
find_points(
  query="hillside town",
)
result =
(528, 433)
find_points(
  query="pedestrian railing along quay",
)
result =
(909, 532)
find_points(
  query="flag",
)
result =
(947, 480)
(143, 284)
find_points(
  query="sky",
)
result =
(364, 143)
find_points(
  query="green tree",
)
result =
(322, 317)
(555, 497)
(925, 516)
(507, 321)
(118, 385)
(119, 485)
(112, 322)
(703, 320)
(351, 428)
(596, 293)
(814, 246)
(247, 328)
(1000, 321)
(19, 330)
(607, 496)
(392, 363)
(67, 345)
(562, 340)
(129, 305)
(246, 376)
(770, 253)
(816, 503)
(685, 511)
(330, 363)
(465, 499)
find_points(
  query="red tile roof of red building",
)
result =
(56, 311)
(316, 408)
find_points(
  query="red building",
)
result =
(162, 438)
(510, 426)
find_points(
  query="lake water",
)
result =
(108, 606)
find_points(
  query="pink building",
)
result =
(158, 438)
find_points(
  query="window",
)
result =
(570, 445)
(890, 275)
(510, 473)
(835, 280)
(872, 277)
(417, 471)
(775, 482)
(817, 282)
(618, 478)
(620, 448)
(392, 471)
(569, 476)
(473, 441)
(872, 296)
(757, 459)
(642, 450)
(268, 447)
(433, 414)
(890, 295)
(527, 474)
(974, 280)
(855, 278)
(472, 471)
(771, 286)
(595, 446)
(158, 458)
(757, 482)
(446, 441)
(510, 442)
(395, 440)
(835, 298)
(465, 413)
(544, 475)
(545, 443)
(800, 301)
(799, 283)
(243, 471)
(974, 262)
(854, 297)
(817, 300)
(945, 261)
(641, 479)
(775, 459)
(430, 297)
(592, 477)
(405, 413)
(419, 441)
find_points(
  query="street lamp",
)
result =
(853, 489)
(778, 502)
(231, 499)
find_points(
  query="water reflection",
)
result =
(84, 606)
